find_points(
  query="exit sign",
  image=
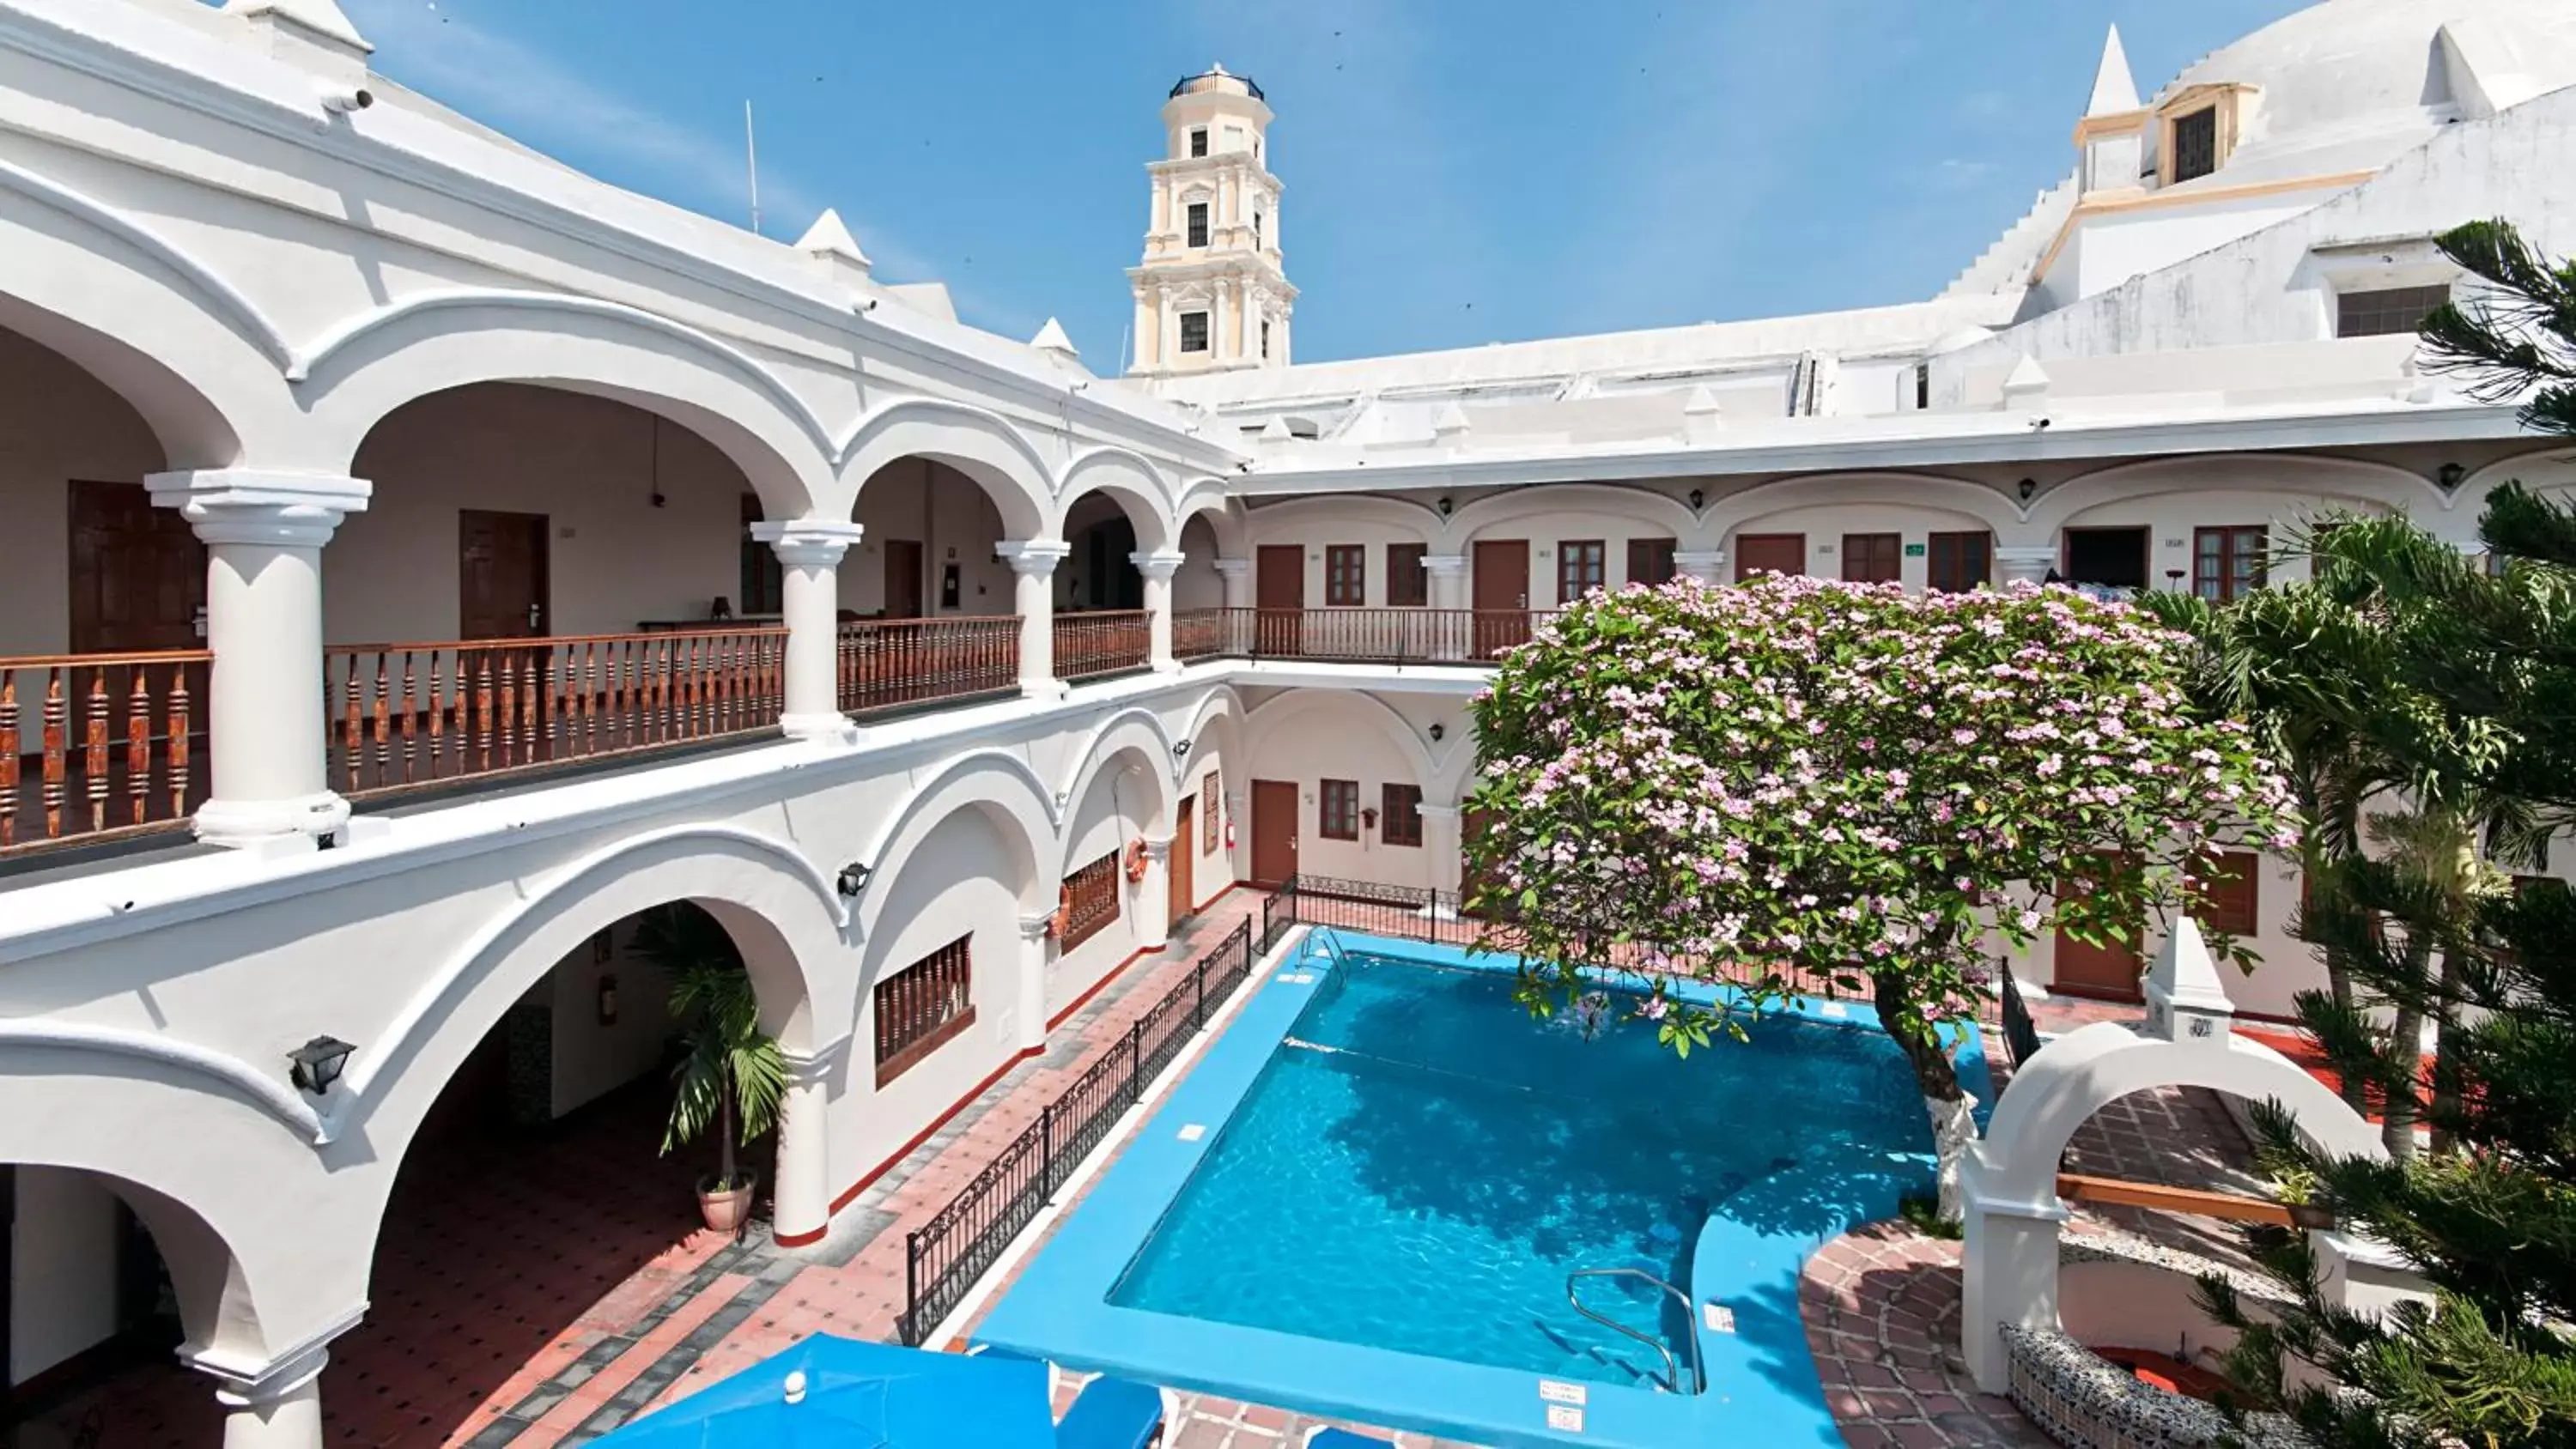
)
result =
(1914, 550)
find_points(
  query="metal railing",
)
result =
(99, 746)
(945, 1256)
(409, 715)
(886, 664)
(1106, 641)
(2021, 1034)
(1358, 636)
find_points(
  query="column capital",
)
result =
(1437, 812)
(1034, 556)
(1444, 563)
(244, 1380)
(1161, 564)
(260, 506)
(1701, 558)
(808, 542)
(1034, 928)
(810, 1067)
(1233, 568)
(1159, 851)
(2025, 562)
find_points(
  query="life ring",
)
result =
(1136, 860)
(1063, 917)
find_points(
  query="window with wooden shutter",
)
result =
(1401, 822)
(2195, 144)
(1093, 902)
(2227, 562)
(1650, 561)
(923, 1007)
(1345, 576)
(1581, 566)
(1337, 816)
(1873, 558)
(1959, 562)
(1408, 584)
(2224, 896)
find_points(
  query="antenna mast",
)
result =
(751, 150)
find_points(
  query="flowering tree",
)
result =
(1804, 786)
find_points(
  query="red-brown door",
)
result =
(2110, 970)
(501, 568)
(1274, 832)
(902, 578)
(1279, 592)
(138, 575)
(1502, 593)
(1182, 871)
(1472, 826)
(1769, 553)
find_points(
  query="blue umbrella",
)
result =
(845, 1394)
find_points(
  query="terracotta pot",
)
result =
(725, 1212)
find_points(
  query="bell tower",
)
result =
(1210, 293)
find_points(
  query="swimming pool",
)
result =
(1368, 1197)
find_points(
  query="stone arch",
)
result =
(421, 345)
(1225, 518)
(1418, 521)
(1928, 491)
(999, 785)
(1443, 775)
(782, 912)
(977, 443)
(2343, 480)
(1139, 738)
(1133, 482)
(195, 358)
(2552, 470)
(1641, 505)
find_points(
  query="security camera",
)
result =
(868, 306)
(2038, 424)
(341, 102)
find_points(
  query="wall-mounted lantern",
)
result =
(314, 1066)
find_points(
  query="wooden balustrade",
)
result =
(1373, 636)
(1211, 634)
(889, 663)
(408, 715)
(99, 746)
(1104, 641)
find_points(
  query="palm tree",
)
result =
(732, 1073)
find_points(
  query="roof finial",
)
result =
(2114, 89)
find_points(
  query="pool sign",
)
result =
(1565, 1418)
(1914, 550)
(1557, 1391)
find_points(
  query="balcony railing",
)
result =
(411, 715)
(1372, 636)
(98, 746)
(889, 663)
(1104, 642)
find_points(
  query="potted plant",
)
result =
(730, 1072)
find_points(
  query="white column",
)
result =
(2007, 1274)
(803, 1168)
(1153, 902)
(1446, 577)
(1158, 569)
(1708, 566)
(2025, 563)
(1033, 563)
(268, 735)
(1237, 573)
(1031, 1028)
(275, 1403)
(809, 554)
(1440, 841)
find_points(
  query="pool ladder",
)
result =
(1672, 1366)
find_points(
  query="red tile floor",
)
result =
(539, 1290)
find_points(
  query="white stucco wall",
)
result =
(593, 1058)
(953, 520)
(62, 1292)
(62, 425)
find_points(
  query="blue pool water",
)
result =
(1419, 1165)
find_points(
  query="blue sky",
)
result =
(1457, 171)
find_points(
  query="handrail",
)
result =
(1672, 1366)
(2190, 1201)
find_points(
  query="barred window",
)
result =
(1338, 817)
(1402, 823)
(1198, 224)
(1094, 901)
(923, 1007)
(2386, 312)
(1194, 332)
(2195, 143)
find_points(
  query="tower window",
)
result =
(1256, 231)
(2387, 312)
(1265, 339)
(1198, 224)
(1198, 141)
(2195, 144)
(1194, 332)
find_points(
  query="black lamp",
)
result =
(1181, 751)
(1444, 505)
(316, 1064)
(1698, 499)
(2027, 487)
(854, 878)
(1437, 730)
(2450, 476)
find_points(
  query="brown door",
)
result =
(1502, 593)
(2110, 970)
(138, 575)
(1279, 593)
(501, 575)
(1274, 832)
(1769, 553)
(902, 578)
(1182, 870)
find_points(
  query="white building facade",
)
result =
(428, 559)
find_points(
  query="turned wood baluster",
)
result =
(445, 689)
(351, 753)
(483, 706)
(589, 699)
(411, 706)
(8, 758)
(384, 722)
(559, 705)
(178, 747)
(531, 690)
(55, 754)
(138, 747)
(95, 765)
(693, 685)
(508, 690)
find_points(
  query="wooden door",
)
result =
(1502, 594)
(1274, 832)
(2110, 971)
(1182, 868)
(1769, 553)
(902, 578)
(1279, 593)
(138, 573)
(1873, 558)
(501, 569)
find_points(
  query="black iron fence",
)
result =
(2021, 1034)
(945, 1256)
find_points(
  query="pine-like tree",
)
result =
(2477, 730)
